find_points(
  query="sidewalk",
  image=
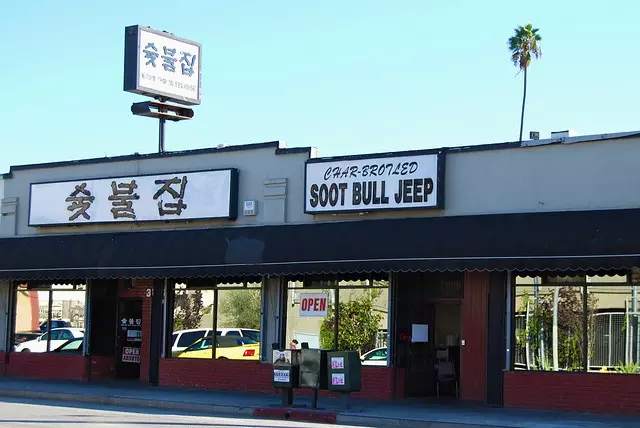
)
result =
(407, 413)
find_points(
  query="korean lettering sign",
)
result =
(167, 197)
(375, 183)
(314, 305)
(161, 64)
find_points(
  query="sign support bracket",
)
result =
(162, 111)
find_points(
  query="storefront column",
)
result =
(157, 330)
(5, 324)
(270, 324)
(496, 343)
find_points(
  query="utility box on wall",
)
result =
(344, 369)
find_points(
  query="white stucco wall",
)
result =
(554, 177)
(560, 177)
(256, 167)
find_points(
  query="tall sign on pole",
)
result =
(160, 65)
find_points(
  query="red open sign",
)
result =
(314, 305)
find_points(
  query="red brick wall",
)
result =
(102, 367)
(377, 383)
(576, 392)
(139, 291)
(216, 374)
(255, 377)
(400, 383)
(3, 360)
(47, 366)
(473, 363)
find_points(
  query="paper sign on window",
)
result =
(281, 376)
(337, 379)
(337, 363)
(130, 355)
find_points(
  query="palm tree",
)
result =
(524, 45)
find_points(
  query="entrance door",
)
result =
(416, 358)
(420, 372)
(129, 338)
(427, 299)
(446, 342)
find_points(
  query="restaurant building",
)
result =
(512, 264)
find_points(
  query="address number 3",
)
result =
(149, 292)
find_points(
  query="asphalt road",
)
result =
(51, 414)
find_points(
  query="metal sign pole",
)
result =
(161, 136)
(162, 122)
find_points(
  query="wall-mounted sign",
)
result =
(314, 305)
(375, 183)
(130, 355)
(159, 64)
(163, 197)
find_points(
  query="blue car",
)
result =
(54, 324)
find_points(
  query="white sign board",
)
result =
(163, 197)
(281, 376)
(161, 64)
(337, 379)
(372, 184)
(314, 305)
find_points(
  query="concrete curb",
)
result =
(130, 402)
(349, 419)
(298, 415)
(274, 413)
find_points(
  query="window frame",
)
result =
(206, 284)
(584, 282)
(16, 286)
(333, 282)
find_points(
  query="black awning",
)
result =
(562, 241)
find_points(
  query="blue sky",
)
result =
(344, 76)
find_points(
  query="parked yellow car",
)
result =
(227, 348)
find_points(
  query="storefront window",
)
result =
(49, 317)
(355, 310)
(230, 309)
(577, 323)
(616, 335)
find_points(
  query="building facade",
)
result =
(513, 264)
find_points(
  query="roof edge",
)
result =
(312, 152)
(279, 147)
(487, 147)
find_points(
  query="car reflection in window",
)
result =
(227, 347)
(73, 346)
